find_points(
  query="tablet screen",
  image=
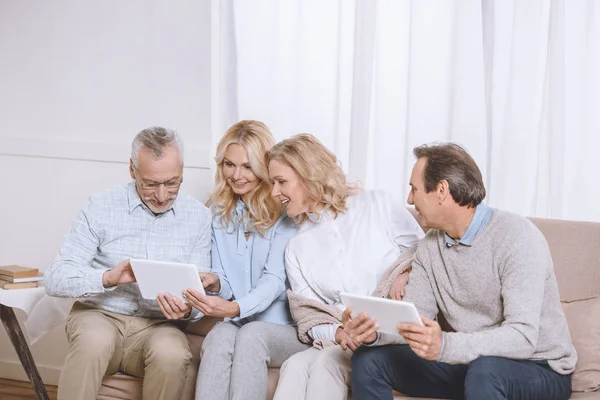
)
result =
(154, 277)
(387, 312)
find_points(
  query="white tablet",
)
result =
(387, 312)
(154, 277)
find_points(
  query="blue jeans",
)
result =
(378, 370)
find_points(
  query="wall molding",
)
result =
(14, 370)
(196, 155)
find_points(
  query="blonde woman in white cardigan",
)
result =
(346, 239)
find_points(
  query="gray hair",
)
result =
(156, 138)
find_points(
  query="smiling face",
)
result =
(288, 188)
(158, 181)
(426, 204)
(237, 170)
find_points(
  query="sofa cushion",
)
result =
(203, 326)
(583, 317)
(585, 396)
(576, 256)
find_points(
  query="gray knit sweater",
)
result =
(500, 295)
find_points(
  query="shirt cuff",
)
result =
(222, 293)
(195, 316)
(243, 310)
(323, 332)
(373, 343)
(439, 357)
(93, 282)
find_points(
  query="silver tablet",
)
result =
(154, 277)
(387, 312)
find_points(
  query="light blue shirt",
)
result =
(252, 272)
(478, 222)
(116, 225)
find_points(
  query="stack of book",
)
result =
(17, 277)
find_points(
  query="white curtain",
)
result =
(517, 82)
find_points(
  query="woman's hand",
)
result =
(212, 306)
(345, 340)
(210, 281)
(361, 329)
(398, 288)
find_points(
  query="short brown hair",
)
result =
(450, 162)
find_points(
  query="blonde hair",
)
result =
(321, 174)
(263, 210)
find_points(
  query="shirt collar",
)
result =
(319, 217)
(480, 220)
(314, 219)
(240, 216)
(240, 208)
(135, 201)
(133, 197)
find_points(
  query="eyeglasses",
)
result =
(173, 184)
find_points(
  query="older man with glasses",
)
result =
(112, 327)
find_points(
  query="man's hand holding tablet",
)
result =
(120, 274)
(165, 282)
(422, 334)
(426, 341)
(172, 307)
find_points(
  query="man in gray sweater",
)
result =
(490, 274)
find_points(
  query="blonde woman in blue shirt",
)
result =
(250, 234)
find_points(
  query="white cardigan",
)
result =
(349, 253)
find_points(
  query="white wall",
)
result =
(78, 81)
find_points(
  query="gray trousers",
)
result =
(234, 360)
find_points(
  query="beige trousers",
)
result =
(101, 342)
(315, 374)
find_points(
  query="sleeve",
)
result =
(217, 268)
(202, 248)
(419, 290)
(71, 273)
(403, 228)
(201, 256)
(271, 283)
(523, 276)
(420, 293)
(323, 332)
(298, 282)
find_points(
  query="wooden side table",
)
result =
(9, 320)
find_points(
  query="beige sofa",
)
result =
(575, 248)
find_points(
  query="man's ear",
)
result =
(131, 172)
(443, 190)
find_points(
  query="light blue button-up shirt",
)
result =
(479, 221)
(116, 225)
(252, 272)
